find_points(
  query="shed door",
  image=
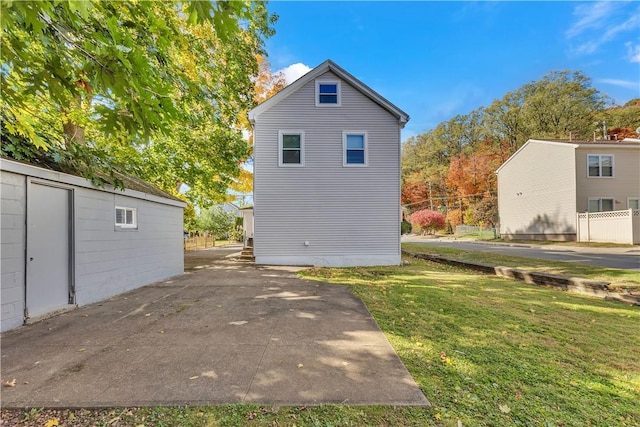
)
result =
(48, 249)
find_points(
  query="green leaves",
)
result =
(158, 87)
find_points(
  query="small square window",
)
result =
(290, 148)
(354, 148)
(327, 93)
(126, 217)
(633, 203)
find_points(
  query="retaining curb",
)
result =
(570, 284)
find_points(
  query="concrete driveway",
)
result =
(224, 332)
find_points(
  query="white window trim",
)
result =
(280, 148)
(629, 201)
(599, 199)
(124, 225)
(344, 149)
(613, 165)
(338, 89)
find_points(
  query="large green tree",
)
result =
(456, 160)
(155, 88)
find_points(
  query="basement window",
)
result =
(126, 217)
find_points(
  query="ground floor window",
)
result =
(633, 203)
(600, 204)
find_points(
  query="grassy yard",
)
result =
(627, 279)
(486, 351)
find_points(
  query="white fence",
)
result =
(609, 227)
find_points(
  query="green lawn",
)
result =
(621, 279)
(486, 351)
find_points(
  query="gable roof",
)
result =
(53, 171)
(329, 65)
(624, 143)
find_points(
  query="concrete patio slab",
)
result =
(224, 332)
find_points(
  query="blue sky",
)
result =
(435, 60)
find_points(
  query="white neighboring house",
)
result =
(545, 183)
(66, 242)
(327, 173)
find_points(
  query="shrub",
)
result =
(428, 220)
(405, 227)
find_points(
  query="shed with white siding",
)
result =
(327, 173)
(67, 243)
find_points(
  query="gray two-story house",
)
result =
(327, 173)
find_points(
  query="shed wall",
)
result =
(107, 260)
(12, 252)
(348, 215)
(110, 261)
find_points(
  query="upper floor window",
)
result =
(600, 165)
(291, 148)
(597, 204)
(354, 149)
(126, 217)
(327, 93)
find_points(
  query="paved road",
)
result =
(624, 258)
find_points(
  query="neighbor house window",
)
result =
(126, 217)
(354, 148)
(600, 204)
(633, 203)
(291, 148)
(600, 165)
(327, 93)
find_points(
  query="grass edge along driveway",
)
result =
(492, 351)
(486, 351)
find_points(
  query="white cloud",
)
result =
(591, 16)
(294, 71)
(620, 83)
(600, 23)
(633, 52)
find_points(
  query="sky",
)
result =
(435, 60)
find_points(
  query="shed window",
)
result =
(600, 165)
(327, 93)
(291, 148)
(600, 204)
(126, 217)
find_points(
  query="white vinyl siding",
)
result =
(600, 165)
(537, 191)
(340, 211)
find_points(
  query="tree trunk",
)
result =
(73, 133)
